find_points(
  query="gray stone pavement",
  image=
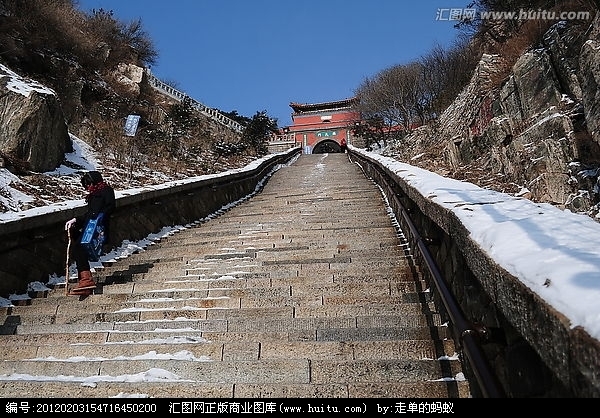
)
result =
(306, 290)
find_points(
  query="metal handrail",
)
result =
(470, 338)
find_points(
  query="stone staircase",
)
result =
(306, 290)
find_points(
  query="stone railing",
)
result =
(205, 110)
(531, 347)
(34, 247)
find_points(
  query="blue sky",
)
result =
(255, 55)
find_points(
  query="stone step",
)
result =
(52, 313)
(262, 324)
(251, 371)
(68, 314)
(129, 387)
(246, 248)
(44, 347)
(188, 294)
(104, 332)
(208, 278)
(407, 292)
(284, 270)
(193, 298)
(200, 242)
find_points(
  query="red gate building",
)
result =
(320, 127)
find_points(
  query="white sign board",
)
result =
(131, 124)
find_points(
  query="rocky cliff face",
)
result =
(33, 131)
(537, 133)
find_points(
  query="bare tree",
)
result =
(445, 72)
(393, 95)
(125, 42)
(133, 35)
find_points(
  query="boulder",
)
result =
(33, 130)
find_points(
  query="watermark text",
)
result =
(467, 14)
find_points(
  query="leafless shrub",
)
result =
(413, 94)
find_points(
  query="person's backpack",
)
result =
(93, 237)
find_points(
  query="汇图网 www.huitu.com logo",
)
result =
(466, 14)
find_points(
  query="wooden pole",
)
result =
(67, 263)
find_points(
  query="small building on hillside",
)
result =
(320, 127)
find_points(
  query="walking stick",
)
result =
(67, 265)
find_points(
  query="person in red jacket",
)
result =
(100, 198)
(343, 145)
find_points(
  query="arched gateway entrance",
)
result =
(326, 146)
(320, 127)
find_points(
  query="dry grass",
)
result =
(528, 35)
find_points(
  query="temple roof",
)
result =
(312, 107)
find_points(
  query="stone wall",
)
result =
(33, 248)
